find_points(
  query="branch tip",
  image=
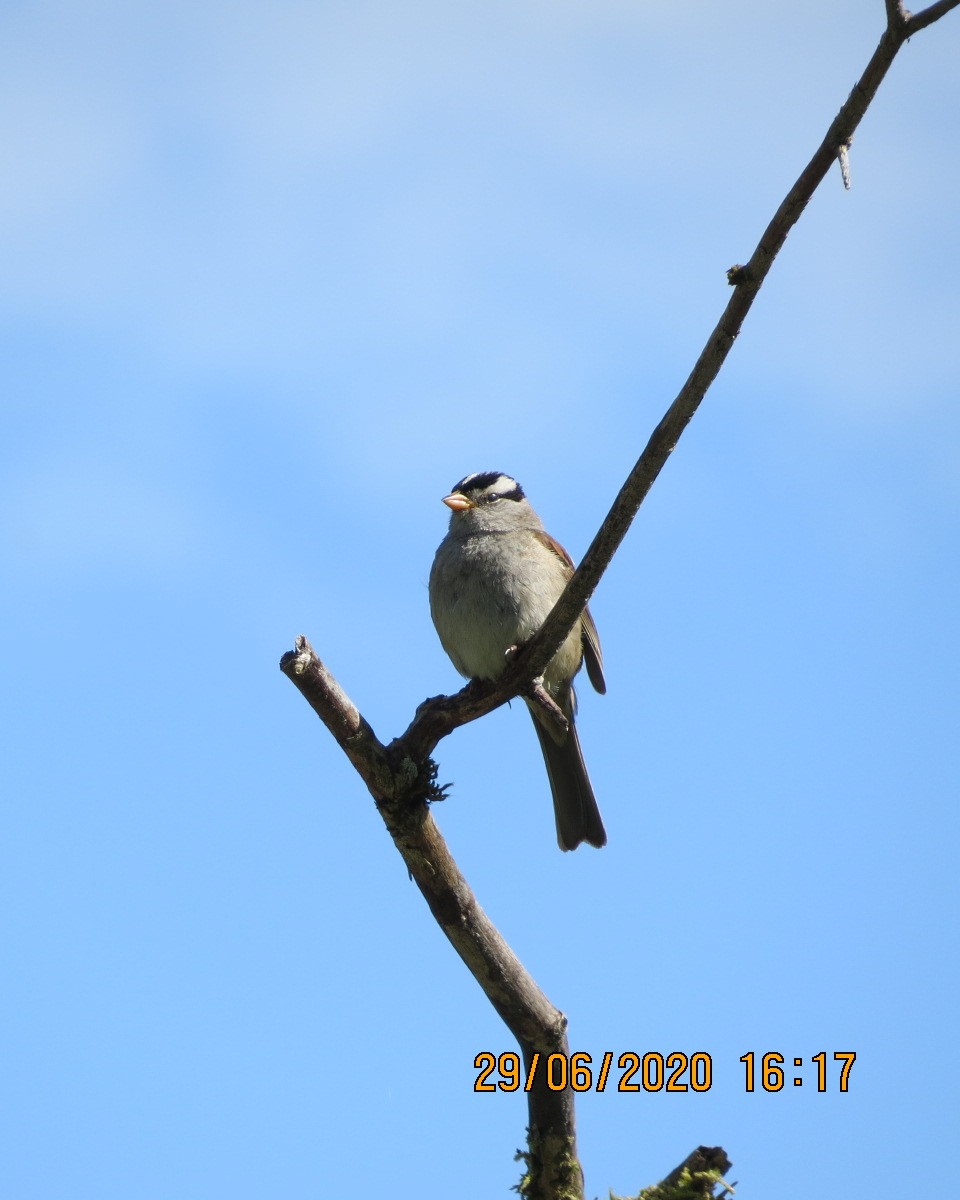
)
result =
(897, 15)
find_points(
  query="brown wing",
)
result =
(592, 654)
(551, 543)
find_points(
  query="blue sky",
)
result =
(274, 276)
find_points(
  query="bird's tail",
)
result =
(574, 804)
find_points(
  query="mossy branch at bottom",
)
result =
(565, 1180)
(690, 1185)
(695, 1179)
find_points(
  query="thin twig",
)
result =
(549, 711)
(927, 16)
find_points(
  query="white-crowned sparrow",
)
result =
(495, 578)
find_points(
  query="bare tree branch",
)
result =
(926, 16)
(438, 717)
(896, 13)
(747, 281)
(400, 777)
(400, 788)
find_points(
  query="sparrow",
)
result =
(495, 578)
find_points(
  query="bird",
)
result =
(495, 578)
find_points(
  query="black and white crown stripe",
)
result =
(484, 486)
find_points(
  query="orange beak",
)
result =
(458, 502)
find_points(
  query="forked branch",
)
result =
(400, 776)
